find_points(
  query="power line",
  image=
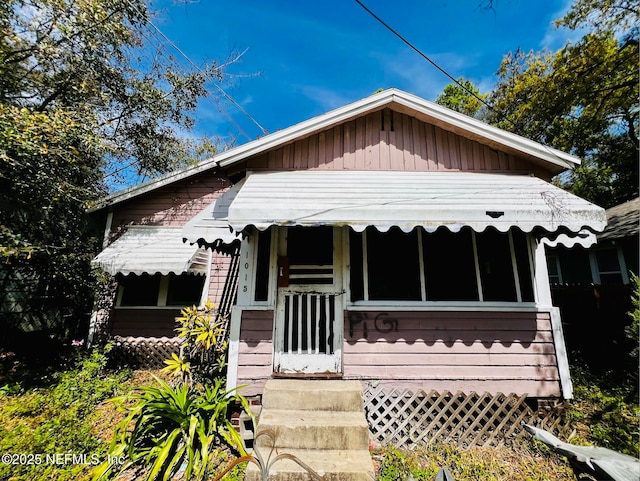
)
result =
(424, 56)
(195, 66)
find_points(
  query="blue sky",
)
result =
(304, 58)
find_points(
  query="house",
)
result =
(390, 241)
(591, 286)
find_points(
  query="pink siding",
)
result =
(143, 322)
(219, 271)
(255, 351)
(465, 351)
(412, 145)
(172, 205)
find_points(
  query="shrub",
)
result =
(168, 428)
(57, 418)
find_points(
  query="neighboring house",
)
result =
(592, 288)
(391, 241)
(610, 262)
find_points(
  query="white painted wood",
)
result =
(204, 296)
(476, 264)
(423, 282)
(163, 291)
(542, 287)
(593, 263)
(234, 347)
(623, 266)
(365, 268)
(561, 354)
(393, 306)
(246, 280)
(295, 307)
(514, 267)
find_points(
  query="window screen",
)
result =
(185, 290)
(496, 270)
(393, 265)
(449, 266)
(139, 290)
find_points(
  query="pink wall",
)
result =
(457, 351)
(255, 351)
(412, 145)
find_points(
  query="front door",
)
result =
(309, 311)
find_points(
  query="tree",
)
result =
(85, 89)
(463, 97)
(581, 99)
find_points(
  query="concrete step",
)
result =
(316, 429)
(315, 395)
(334, 465)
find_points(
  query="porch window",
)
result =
(440, 266)
(262, 266)
(159, 291)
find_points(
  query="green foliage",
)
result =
(168, 427)
(525, 462)
(633, 330)
(605, 417)
(82, 97)
(461, 98)
(204, 344)
(581, 99)
(58, 417)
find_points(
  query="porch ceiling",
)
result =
(410, 199)
(151, 250)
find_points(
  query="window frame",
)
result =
(163, 294)
(428, 304)
(596, 273)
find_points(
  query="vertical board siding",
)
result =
(172, 205)
(255, 351)
(386, 140)
(466, 351)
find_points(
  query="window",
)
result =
(440, 266)
(184, 290)
(262, 266)
(393, 265)
(608, 267)
(449, 277)
(159, 291)
(553, 267)
(139, 290)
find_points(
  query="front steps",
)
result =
(322, 423)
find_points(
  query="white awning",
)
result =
(411, 199)
(211, 226)
(151, 250)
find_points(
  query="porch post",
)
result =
(543, 299)
(245, 283)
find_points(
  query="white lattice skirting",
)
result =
(145, 352)
(402, 418)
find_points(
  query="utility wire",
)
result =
(424, 56)
(195, 66)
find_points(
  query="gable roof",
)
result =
(554, 160)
